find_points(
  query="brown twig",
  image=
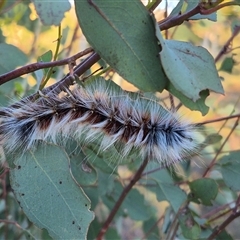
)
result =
(153, 227)
(235, 214)
(226, 45)
(219, 215)
(69, 79)
(11, 222)
(78, 70)
(173, 21)
(219, 119)
(220, 149)
(10, 7)
(40, 65)
(155, 4)
(217, 210)
(123, 195)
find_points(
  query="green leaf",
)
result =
(190, 228)
(51, 12)
(168, 219)
(123, 34)
(177, 9)
(149, 229)
(10, 57)
(101, 160)
(105, 183)
(185, 6)
(94, 229)
(139, 212)
(83, 172)
(235, 22)
(230, 169)
(199, 105)
(81, 169)
(227, 65)
(237, 2)
(212, 139)
(205, 233)
(204, 189)
(112, 234)
(194, 68)
(166, 189)
(224, 235)
(48, 195)
(46, 57)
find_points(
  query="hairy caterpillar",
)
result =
(100, 111)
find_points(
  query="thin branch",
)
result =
(217, 210)
(216, 8)
(153, 170)
(6, 170)
(173, 21)
(226, 45)
(68, 79)
(220, 149)
(10, 7)
(174, 231)
(220, 215)
(219, 119)
(123, 195)
(237, 204)
(40, 65)
(219, 229)
(152, 228)
(11, 222)
(154, 5)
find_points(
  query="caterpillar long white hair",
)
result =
(100, 111)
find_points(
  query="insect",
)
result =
(100, 111)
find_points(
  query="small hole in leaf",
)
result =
(79, 228)
(86, 205)
(19, 167)
(73, 222)
(60, 182)
(23, 194)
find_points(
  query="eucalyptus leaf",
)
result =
(204, 189)
(199, 105)
(51, 12)
(190, 228)
(230, 169)
(166, 189)
(48, 195)
(212, 139)
(194, 68)
(82, 171)
(139, 212)
(10, 57)
(227, 65)
(149, 229)
(224, 235)
(46, 57)
(177, 9)
(123, 34)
